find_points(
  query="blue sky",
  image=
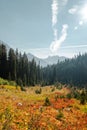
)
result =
(44, 27)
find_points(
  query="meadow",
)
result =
(41, 108)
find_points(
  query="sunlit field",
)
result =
(41, 108)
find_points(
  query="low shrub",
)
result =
(58, 85)
(38, 91)
(83, 98)
(6, 82)
(3, 82)
(69, 96)
(53, 89)
(47, 102)
(59, 116)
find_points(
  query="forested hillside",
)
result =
(54, 107)
(15, 66)
(71, 71)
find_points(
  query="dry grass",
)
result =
(21, 110)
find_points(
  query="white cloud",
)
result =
(80, 23)
(55, 9)
(55, 34)
(83, 13)
(67, 51)
(55, 45)
(73, 10)
(54, 12)
(54, 17)
(74, 46)
(76, 27)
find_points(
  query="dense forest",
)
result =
(15, 66)
(71, 71)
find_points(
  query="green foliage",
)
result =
(47, 102)
(38, 91)
(62, 96)
(58, 85)
(23, 88)
(20, 82)
(60, 115)
(3, 61)
(76, 95)
(16, 67)
(53, 89)
(43, 83)
(12, 83)
(71, 71)
(3, 82)
(69, 96)
(6, 82)
(83, 97)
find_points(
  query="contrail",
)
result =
(54, 12)
(64, 47)
(75, 46)
(57, 42)
(54, 17)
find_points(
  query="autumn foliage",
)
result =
(27, 110)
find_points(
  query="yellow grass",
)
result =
(20, 110)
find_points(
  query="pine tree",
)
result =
(12, 64)
(3, 61)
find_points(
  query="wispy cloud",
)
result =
(55, 34)
(75, 46)
(76, 27)
(57, 42)
(54, 18)
(55, 45)
(54, 12)
(83, 12)
(80, 23)
(73, 10)
(67, 51)
(64, 47)
(79, 10)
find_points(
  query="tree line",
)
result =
(16, 66)
(71, 71)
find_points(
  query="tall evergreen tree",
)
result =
(3, 61)
(12, 64)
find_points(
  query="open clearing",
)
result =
(50, 110)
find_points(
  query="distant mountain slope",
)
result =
(38, 60)
(47, 61)
(54, 59)
(43, 62)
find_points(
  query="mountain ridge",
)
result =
(50, 60)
